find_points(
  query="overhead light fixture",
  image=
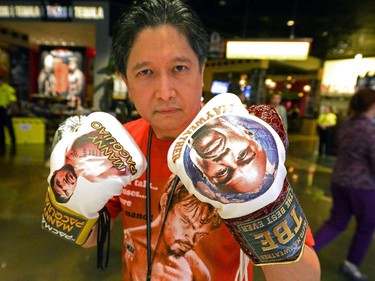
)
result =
(269, 49)
(290, 23)
(358, 56)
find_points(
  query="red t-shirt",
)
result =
(218, 252)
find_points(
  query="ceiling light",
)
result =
(290, 23)
(268, 49)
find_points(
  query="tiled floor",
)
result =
(28, 253)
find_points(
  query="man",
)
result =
(189, 220)
(76, 82)
(8, 101)
(276, 102)
(46, 77)
(232, 158)
(160, 48)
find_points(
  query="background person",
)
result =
(76, 83)
(8, 103)
(46, 77)
(276, 102)
(326, 129)
(160, 49)
(353, 184)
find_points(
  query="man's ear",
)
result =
(202, 74)
(126, 82)
(248, 132)
(124, 79)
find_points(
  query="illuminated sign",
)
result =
(57, 12)
(84, 12)
(268, 49)
(19, 11)
(52, 12)
(340, 76)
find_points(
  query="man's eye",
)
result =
(221, 172)
(144, 72)
(180, 68)
(242, 155)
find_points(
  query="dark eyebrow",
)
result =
(139, 65)
(182, 59)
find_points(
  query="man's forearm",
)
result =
(306, 269)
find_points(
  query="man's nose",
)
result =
(165, 87)
(229, 160)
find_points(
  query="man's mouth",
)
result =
(166, 111)
(185, 246)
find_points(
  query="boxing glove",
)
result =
(234, 160)
(93, 157)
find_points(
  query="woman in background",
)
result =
(353, 183)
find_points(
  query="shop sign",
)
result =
(58, 12)
(51, 12)
(19, 11)
(85, 12)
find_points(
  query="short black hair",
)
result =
(206, 213)
(154, 13)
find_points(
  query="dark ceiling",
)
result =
(339, 29)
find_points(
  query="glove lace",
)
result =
(104, 231)
(242, 273)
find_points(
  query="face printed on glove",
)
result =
(229, 156)
(63, 183)
(235, 157)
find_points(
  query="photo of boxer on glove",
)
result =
(234, 161)
(237, 156)
(91, 161)
(84, 158)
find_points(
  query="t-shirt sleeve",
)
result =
(309, 238)
(114, 207)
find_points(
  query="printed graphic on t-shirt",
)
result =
(175, 232)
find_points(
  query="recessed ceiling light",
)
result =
(290, 23)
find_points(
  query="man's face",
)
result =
(164, 80)
(276, 100)
(184, 229)
(230, 158)
(65, 182)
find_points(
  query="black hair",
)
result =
(154, 13)
(206, 213)
(361, 101)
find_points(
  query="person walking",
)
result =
(353, 184)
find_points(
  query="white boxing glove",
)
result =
(234, 161)
(93, 157)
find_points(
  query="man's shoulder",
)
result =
(138, 125)
(137, 128)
